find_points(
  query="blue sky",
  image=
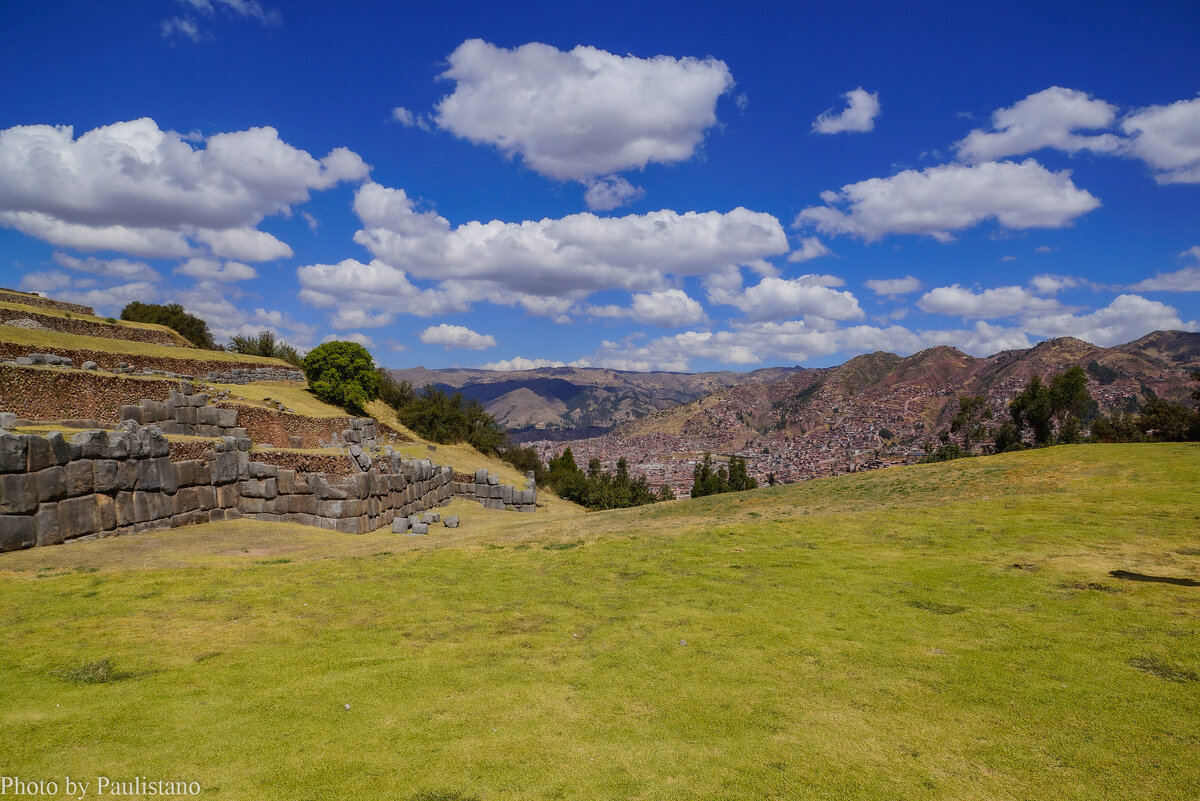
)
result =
(640, 186)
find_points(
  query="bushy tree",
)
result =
(971, 420)
(598, 489)
(1063, 404)
(706, 481)
(526, 460)
(172, 315)
(264, 343)
(447, 418)
(343, 374)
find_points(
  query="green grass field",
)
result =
(937, 631)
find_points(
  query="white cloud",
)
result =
(1124, 320)
(583, 113)
(810, 248)
(213, 270)
(1192, 252)
(1185, 280)
(44, 282)
(107, 302)
(134, 188)
(354, 317)
(1048, 118)
(808, 295)
(668, 308)
(862, 107)
(605, 194)
(520, 363)
(951, 197)
(145, 242)
(409, 119)
(1168, 139)
(893, 287)
(376, 286)
(1005, 301)
(457, 336)
(247, 244)
(184, 26)
(983, 339)
(567, 257)
(361, 339)
(1047, 284)
(188, 27)
(111, 268)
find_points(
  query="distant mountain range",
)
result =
(912, 394)
(570, 402)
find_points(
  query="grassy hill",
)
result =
(937, 631)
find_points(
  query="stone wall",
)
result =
(108, 483)
(268, 426)
(491, 494)
(112, 360)
(39, 394)
(12, 296)
(249, 375)
(94, 328)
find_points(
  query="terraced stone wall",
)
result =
(92, 328)
(9, 296)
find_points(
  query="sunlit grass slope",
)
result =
(123, 347)
(940, 631)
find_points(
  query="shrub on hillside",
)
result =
(343, 374)
(264, 344)
(597, 489)
(172, 315)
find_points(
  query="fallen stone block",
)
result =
(418, 529)
(400, 525)
(451, 521)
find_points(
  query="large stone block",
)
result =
(251, 506)
(286, 481)
(104, 474)
(118, 445)
(186, 500)
(14, 449)
(157, 474)
(40, 454)
(493, 479)
(106, 508)
(451, 521)
(351, 507)
(262, 470)
(323, 489)
(494, 503)
(125, 509)
(226, 418)
(351, 525)
(207, 496)
(396, 481)
(127, 475)
(80, 477)
(18, 493)
(496, 492)
(78, 516)
(400, 525)
(51, 484)
(133, 413)
(506, 493)
(259, 488)
(419, 529)
(17, 532)
(63, 451)
(227, 496)
(45, 524)
(223, 468)
(92, 444)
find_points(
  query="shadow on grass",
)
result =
(1131, 576)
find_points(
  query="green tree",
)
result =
(1163, 421)
(343, 374)
(1008, 438)
(1072, 403)
(172, 315)
(971, 420)
(665, 493)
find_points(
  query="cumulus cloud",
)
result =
(520, 363)
(247, 244)
(361, 339)
(605, 194)
(1005, 301)
(1049, 118)
(134, 188)
(668, 308)
(1168, 139)
(583, 113)
(893, 287)
(1048, 284)
(808, 295)
(810, 248)
(951, 197)
(457, 336)
(355, 317)
(1185, 280)
(862, 107)
(107, 301)
(1124, 320)
(214, 270)
(376, 286)
(113, 268)
(564, 258)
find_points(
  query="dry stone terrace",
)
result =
(102, 483)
